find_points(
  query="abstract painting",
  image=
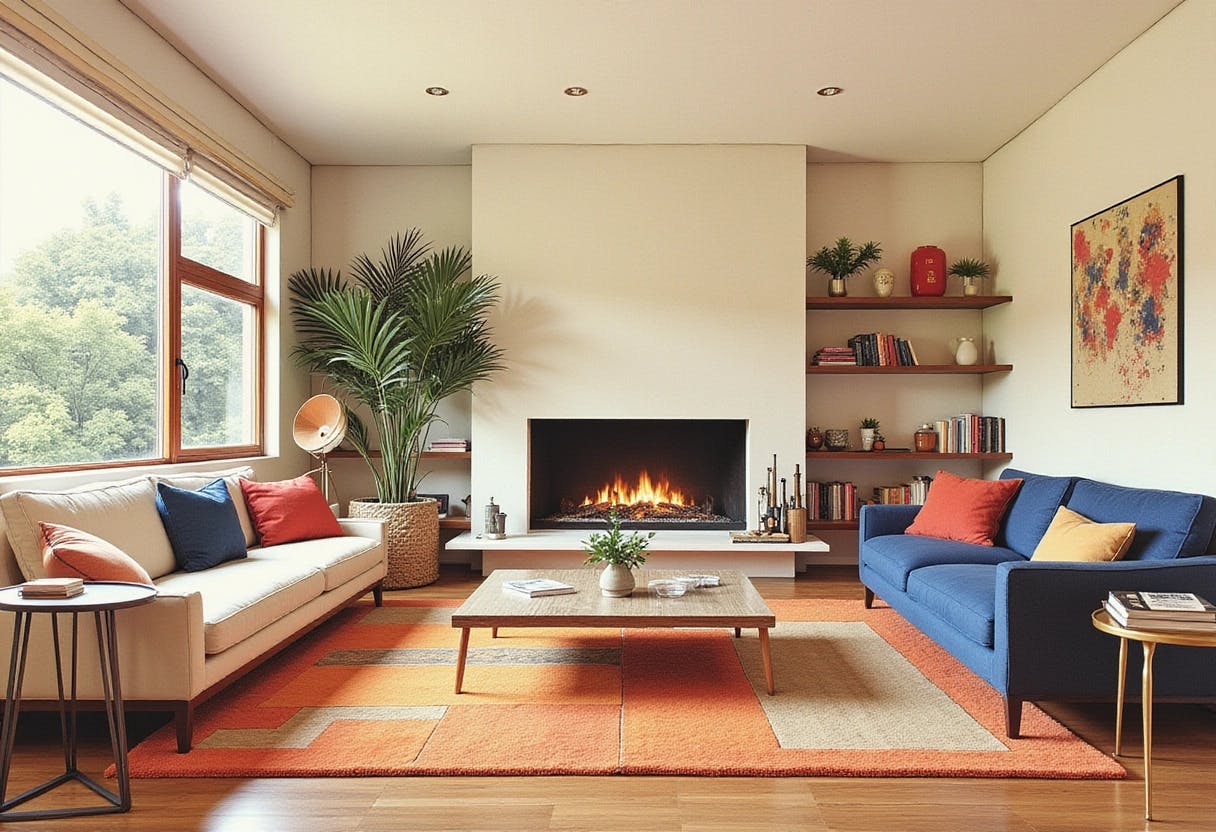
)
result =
(1127, 302)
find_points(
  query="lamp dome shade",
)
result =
(320, 424)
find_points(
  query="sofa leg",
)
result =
(183, 717)
(378, 594)
(869, 599)
(1013, 717)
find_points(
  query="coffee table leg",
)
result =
(460, 657)
(493, 632)
(1119, 696)
(766, 653)
(738, 632)
(1147, 704)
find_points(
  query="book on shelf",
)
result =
(448, 445)
(1155, 606)
(881, 349)
(831, 500)
(52, 588)
(835, 356)
(905, 494)
(1169, 625)
(539, 587)
(970, 433)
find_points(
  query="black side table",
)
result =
(102, 598)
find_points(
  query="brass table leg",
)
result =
(1147, 706)
(1119, 697)
(461, 656)
(766, 653)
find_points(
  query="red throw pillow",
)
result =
(959, 508)
(287, 511)
(71, 553)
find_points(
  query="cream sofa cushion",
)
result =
(243, 596)
(195, 480)
(121, 513)
(338, 558)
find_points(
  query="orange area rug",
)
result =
(859, 692)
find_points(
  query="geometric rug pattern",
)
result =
(859, 693)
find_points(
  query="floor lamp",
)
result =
(319, 427)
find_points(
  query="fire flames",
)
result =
(645, 490)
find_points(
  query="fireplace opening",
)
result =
(652, 473)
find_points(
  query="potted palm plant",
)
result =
(842, 261)
(401, 335)
(972, 272)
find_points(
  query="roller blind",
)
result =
(42, 53)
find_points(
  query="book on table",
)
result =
(538, 587)
(52, 588)
(1156, 606)
(1166, 625)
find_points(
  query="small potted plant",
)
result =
(869, 429)
(880, 442)
(842, 261)
(972, 272)
(620, 554)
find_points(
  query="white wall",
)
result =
(121, 33)
(356, 210)
(900, 206)
(1144, 117)
(641, 281)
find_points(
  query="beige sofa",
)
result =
(205, 629)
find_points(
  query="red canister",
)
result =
(928, 275)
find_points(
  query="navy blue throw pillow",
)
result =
(202, 525)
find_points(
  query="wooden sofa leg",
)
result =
(1013, 717)
(378, 594)
(183, 717)
(869, 599)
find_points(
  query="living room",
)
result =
(665, 277)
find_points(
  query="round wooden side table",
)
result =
(103, 599)
(1149, 638)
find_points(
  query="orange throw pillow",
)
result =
(963, 509)
(284, 512)
(71, 553)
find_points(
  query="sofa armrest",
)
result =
(362, 527)
(1042, 622)
(882, 520)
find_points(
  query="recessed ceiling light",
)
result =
(436, 90)
(575, 92)
(829, 91)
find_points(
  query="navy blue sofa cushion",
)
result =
(895, 556)
(962, 594)
(202, 525)
(1169, 524)
(1032, 509)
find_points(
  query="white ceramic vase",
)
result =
(884, 283)
(965, 352)
(616, 581)
(867, 438)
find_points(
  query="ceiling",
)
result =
(924, 80)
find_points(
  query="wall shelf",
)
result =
(462, 523)
(344, 454)
(892, 456)
(943, 302)
(895, 370)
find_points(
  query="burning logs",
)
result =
(637, 511)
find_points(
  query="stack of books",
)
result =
(880, 349)
(970, 433)
(538, 587)
(52, 588)
(453, 446)
(835, 357)
(1170, 611)
(831, 501)
(906, 494)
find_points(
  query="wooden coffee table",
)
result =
(735, 603)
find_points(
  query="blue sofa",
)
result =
(1024, 626)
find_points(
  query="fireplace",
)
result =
(653, 473)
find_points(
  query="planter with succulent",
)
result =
(620, 553)
(402, 335)
(842, 261)
(972, 272)
(869, 429)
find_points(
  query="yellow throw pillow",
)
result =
(1074, 537)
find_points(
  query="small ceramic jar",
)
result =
(925, 439)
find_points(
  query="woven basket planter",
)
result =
(411, 539)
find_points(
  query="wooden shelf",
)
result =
(943, 302)
(891, 456)
(462, 523)
(343, 454)
(920, 369)
(831, 525)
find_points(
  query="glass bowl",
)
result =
(667, 588)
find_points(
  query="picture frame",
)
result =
(1127, 302)
(442, 499)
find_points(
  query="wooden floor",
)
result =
(1184, 774)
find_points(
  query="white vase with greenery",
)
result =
(620, 553)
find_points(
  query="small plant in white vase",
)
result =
(869, 429)
(972, 272)
(620, 553)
